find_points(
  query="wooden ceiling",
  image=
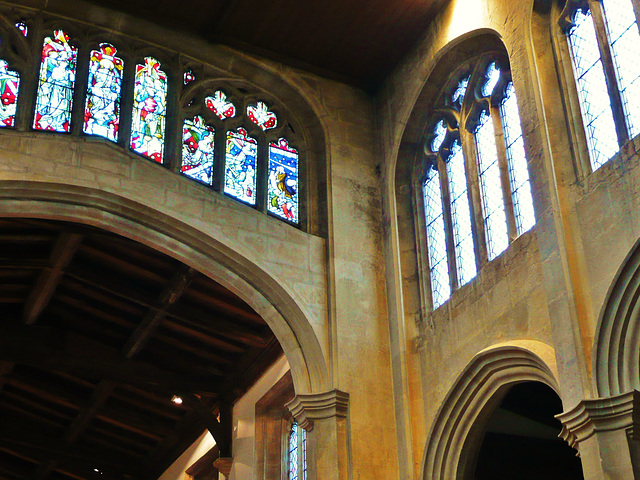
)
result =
(97, 333)
(355, 41)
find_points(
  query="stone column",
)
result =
(605, 432)
(324, 417)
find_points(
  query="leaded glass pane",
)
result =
(23, 28)
(517, 161)
(189, 77)
(55, 88)
(592, 90)
(458, 95)
(9, 84)
(261, 116)
(219, 105)
(625, 40)
(149, 110)
(102, 110)
(493, 76)
(197, 150)
(436, 241)
(283, 181)
(439, 132)
(293, 452)
(495, 218)
(304, 453)
(461, 216)
(240, 166)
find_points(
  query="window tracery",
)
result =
(215, 133)
(603, 38)
(475, 184)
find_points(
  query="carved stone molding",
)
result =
(589, 417)
(308, 408)
(223, 464)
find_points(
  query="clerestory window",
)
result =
(476, 189)
(603, 37)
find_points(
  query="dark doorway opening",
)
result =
(521, 439)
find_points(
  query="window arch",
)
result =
(603, 38)
(475, 183)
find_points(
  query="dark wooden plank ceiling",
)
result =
(356, 41)
(97, 333)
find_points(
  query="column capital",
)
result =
(592, 416)
(223, 464)
(306, 409)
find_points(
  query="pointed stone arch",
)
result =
(454, 433)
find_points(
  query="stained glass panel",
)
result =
(261, 116)
(458, 95)
(149, 110)
(304, 453)
(436, 241)
(23, 28)
(9, 84)
(439, 134)
(102, 110)
(592, 90)
(197, 150)
(219, 105)
(283, 181)
(293, 452)
(189, 77)
(240, 166)
(57, 79)
(517, 161)
(625, 39)
(495, 218)
(461, 216)
(493, 76)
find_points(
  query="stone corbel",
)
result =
(223, 465)
(590, 417)
(307, 409)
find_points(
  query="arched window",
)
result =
(240, 166)
(57, 81)
(149, 110)
(603, 37)
(102, 109)
(297, 453)
(475, 149)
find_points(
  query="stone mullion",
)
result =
(126, 103)
(597, 12)
(443, 176)
(505, 180)
(80, 90)
(28, 89)
(173, 127)
(636, 11)
(470, 152)
(262, 173)
(220, 149)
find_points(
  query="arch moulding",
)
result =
(457, 427)
(157, 230)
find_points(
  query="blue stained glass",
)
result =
(493, 76)
(461, 216)
(439, 134)
(436, 241)
(149, 110)
(283, 181)
(293, 452)
(57, 79)
(9, 84)
(460, 92)
(495, 218)
(304, 454)
(592, 90)
(102, 110)
(517, 160)
(240, 166)
(198, 150)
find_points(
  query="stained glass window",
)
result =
(9, 83)
(149, 110)
(102, 110)
(197, 150)
(517, 162)
(189, 77)
(240, 166)
(439, 134)
(624, 39)
(23, 28)
(436, 241)
(592, 90)
(495, 219)
(219, 105)
(283, 181)
(293, 453)
(261, 116)
(458, 95)
(57, 79)
(461, 216)
(304, 453)
(493, 76)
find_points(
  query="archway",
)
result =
(520, 438)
